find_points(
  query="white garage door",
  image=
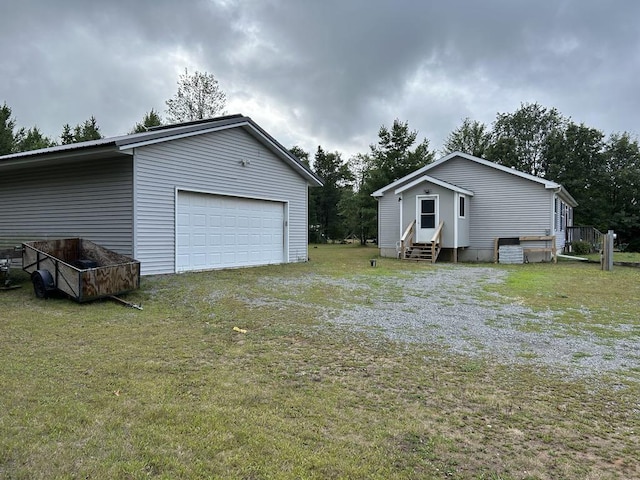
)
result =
(215, 231)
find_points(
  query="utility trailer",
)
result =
(79, 268)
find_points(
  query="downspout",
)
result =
(556, 192)
(401, 223)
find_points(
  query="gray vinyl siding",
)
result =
(503, 205)
(445, 209)
(90, 199)
(463, 223)
(388, 223)
(209, 163)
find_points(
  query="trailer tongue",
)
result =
(79, 268)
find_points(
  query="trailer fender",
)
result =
(43, 283)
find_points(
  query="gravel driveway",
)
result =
(447, 306)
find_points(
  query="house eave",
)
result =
(435, 181)
(564, 194)
(59, 157)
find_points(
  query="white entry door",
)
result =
(216, 231)
(427, 217)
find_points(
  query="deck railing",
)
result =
(435, 242)
(587, 234)
(406, 241)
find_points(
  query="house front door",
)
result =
(427, 217)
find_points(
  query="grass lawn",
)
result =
(102, 391)
(631, 257)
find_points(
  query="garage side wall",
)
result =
(228, 162)
(89, 199)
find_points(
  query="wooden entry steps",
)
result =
(421, 252)
(426, 252)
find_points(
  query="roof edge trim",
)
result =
(435, 181)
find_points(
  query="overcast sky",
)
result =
(323, 72)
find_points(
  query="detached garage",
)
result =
(211, 194)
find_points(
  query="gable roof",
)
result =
(548, 184)
(124, 144)
(435, 181)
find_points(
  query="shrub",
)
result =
(633, 246)
(581, 247)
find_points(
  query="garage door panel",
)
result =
(215, 221)
(183, 220)
(215, 231)
(229, 240)
(199, 240)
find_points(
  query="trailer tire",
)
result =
(42, 283)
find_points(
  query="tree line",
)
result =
(602, 173)
(198, 96)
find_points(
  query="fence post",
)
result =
(607, 251)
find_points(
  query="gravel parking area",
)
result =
(448, 307)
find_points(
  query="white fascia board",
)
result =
(435, 181)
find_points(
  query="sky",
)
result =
(323, 72)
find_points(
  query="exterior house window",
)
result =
(428, 213)
(461, 206)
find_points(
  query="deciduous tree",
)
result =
(199, 96)
(300, 154)
(622, 188)
(520, 139)
(471, 137)
(574, 159)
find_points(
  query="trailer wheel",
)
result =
(42, 283)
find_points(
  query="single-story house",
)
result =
(467, 207)
(201, 195)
